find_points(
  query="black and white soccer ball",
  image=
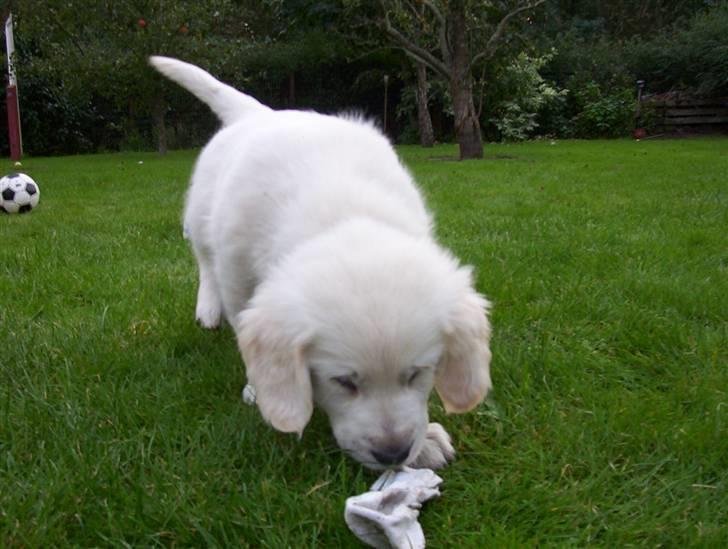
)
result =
(18, 193)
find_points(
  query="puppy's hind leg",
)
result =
(209, 307)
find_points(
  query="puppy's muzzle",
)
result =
(393, 454)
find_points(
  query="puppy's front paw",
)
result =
(249, 394)
(208, 316)
(437, 450)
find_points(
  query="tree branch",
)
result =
(61, 27)
(436, 12)
(444, 42)
(482, 91)
(491, 46)
(441, 29)
(415, 50)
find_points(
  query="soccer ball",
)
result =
(18, 193)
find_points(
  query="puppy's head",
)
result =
(366, 332)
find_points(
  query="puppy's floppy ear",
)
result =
(274, 361)
(463, 376)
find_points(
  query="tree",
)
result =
(94, 49)
(624, 18)
(453, 37)
(424, 121)
(690, 57)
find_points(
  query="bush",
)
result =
(527, 96)
(601, 113)
(54, 122)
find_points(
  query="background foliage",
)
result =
(566, 69)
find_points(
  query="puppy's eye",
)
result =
(347, 383)
(413, 376)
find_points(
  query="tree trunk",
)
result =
(424, 122)
(159, 115)
(467, 123)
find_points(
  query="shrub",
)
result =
(54, 122)
(527, 94)
(601, 113)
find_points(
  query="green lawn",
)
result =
(607, 261)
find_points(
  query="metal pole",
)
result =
(11, 96)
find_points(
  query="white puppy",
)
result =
(314, 243)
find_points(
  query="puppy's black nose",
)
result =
(392, 455)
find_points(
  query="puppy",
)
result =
(315, 245)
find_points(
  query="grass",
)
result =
(121, 422)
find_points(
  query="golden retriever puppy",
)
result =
(314, 243)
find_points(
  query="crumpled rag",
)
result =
(386, 516)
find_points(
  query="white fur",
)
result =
(314, 243)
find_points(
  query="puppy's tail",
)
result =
(226, 102)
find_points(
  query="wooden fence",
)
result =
(679, 112)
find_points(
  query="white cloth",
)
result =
(386, 516)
